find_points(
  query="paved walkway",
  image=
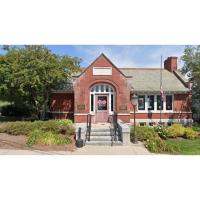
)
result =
(133, 149)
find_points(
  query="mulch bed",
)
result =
(19, 143)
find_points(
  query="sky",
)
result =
(148, 56)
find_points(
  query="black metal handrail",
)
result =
(87, 137)
(114, 127)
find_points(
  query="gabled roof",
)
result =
(102, 55)
(148, 80)
(141, 79)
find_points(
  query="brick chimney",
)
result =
(171, 64)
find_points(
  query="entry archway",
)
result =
(102, 101)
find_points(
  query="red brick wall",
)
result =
(164, 115)
(87, 80)
(182, 102)
(62, 103)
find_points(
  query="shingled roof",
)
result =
(143, 80)
(148, 80)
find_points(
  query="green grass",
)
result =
(185, 146)
(196, 127)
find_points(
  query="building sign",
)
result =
(81, 107)
(102, 71)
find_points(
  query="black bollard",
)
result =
(79, 141)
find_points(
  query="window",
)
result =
(152, 123)
(111, 102)
(92, 102)
(102, 102)
(150, 102)
(159, 103)
(142, 123)
(107, 88)
(102, 88)
(168, 102)
(141, 102)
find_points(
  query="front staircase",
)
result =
(102, 134)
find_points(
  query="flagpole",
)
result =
(161, 92)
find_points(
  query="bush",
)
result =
(142, 132)
(155, 144)
(12, 110)
(151, 139)
(176, 130)
(162, 131)
(47, 138)
(24, 128)
(16, 128)
(189, 133)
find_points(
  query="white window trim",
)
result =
(102, 93)
(155, 105)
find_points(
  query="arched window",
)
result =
(102, 89)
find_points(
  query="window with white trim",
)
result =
(141, 102)
(169, 102)
(153, 103)
(159, 103)
(150, 100)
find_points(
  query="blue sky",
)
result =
(121, 55)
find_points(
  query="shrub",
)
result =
(155, 144)
(142, 132)
(189, 133)
(151, 139)
(16, 128)
(46, 138)
(162, 131)
(176, 130)
(24, 128)
(12, 110)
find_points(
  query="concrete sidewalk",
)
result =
(132, 149)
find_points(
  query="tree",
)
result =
(191, 58)
(29, 74)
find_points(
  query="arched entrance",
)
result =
(102, 101)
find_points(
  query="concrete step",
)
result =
(103, 143)
(100, 138)
(105, 133)
(100, 129)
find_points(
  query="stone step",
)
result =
(103, 143)
(100, 138)
(105, 133)
(100, 129)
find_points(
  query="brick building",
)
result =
(102, 88)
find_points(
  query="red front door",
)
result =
(102, 110)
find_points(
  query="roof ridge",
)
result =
(141, 68)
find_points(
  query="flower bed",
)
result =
(41, 132)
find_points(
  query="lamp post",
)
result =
(134, 101)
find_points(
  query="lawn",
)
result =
(185, 146)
